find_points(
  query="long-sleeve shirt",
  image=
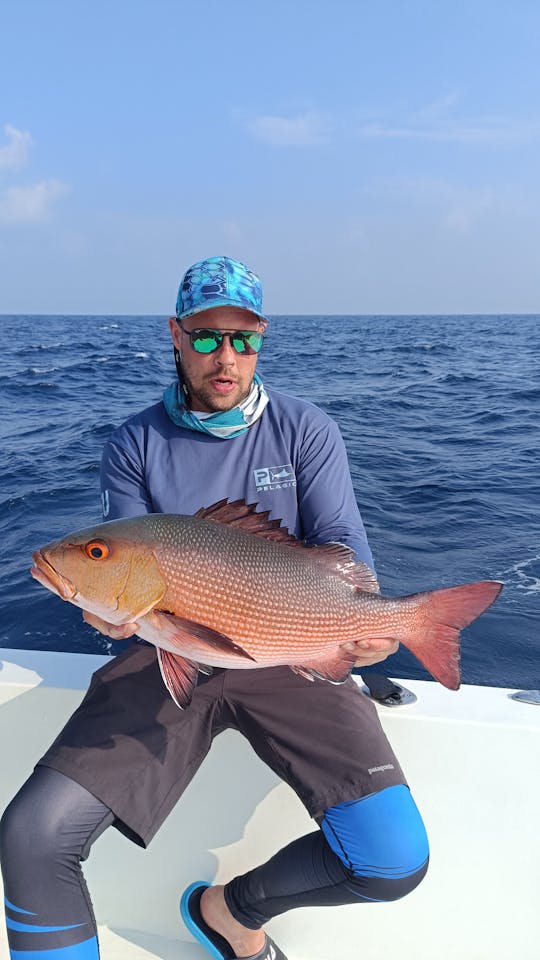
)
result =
(292, 461)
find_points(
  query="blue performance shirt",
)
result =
(292, 461)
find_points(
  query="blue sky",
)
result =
(363, 157)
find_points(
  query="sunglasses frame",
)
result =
(219, 335)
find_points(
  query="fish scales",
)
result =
(259, 589)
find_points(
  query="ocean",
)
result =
(439, 414)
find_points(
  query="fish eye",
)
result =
(96, 550)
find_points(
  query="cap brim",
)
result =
(220, 303)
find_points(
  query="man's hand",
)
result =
(112, 630)
(371, 651)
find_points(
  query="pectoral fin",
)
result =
(190, 631)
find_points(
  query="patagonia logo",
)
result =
(382, 768)
(274, 478)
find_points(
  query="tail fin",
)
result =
(434, 637)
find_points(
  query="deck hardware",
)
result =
(385, 691)
(526, 696)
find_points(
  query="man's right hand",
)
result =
(112, 630)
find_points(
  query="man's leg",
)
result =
(372, 849)
(123, 758)
(327, 743)
(45, 832)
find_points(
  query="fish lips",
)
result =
(44, 573)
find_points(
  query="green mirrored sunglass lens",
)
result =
(250, 343)
(205, 344)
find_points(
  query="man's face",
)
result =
(220, 380)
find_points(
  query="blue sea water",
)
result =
(440, 417)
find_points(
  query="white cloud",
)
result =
(15, 154)
(430, 124)
(306, 130)
(437, 108)
(443, 206)
(32, 203)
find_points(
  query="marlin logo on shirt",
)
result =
(274, 478)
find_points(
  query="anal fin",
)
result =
(335, 668)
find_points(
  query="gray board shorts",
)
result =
(136, 751)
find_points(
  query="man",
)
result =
(128, 752)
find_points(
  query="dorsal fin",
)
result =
(335, 557)
(340, 558)
(238, 513)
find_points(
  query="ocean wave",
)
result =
(15, 387)
(412, 348)
(525, 574)
(526, 394)
(459, 378)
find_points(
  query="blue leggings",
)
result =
(369, 849)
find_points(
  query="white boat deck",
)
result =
(472, 759)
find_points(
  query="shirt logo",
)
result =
(274, 478)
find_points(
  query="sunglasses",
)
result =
(244, 342)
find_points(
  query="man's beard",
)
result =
(205, 398)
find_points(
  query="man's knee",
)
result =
(27, 829)
(385, 889)
(382, 841)
(52, 818)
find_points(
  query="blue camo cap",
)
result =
(218, 282)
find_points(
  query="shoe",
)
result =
(217, 946)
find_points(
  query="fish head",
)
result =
(103, 570)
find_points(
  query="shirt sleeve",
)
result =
(326, 497)
(123, 485)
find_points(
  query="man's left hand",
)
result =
(371, 651)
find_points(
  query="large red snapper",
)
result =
(229, 588)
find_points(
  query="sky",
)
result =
(363, 157)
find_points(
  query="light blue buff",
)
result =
(225, 425)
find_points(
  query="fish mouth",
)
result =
(44, 573)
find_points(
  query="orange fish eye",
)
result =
(96, 550)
